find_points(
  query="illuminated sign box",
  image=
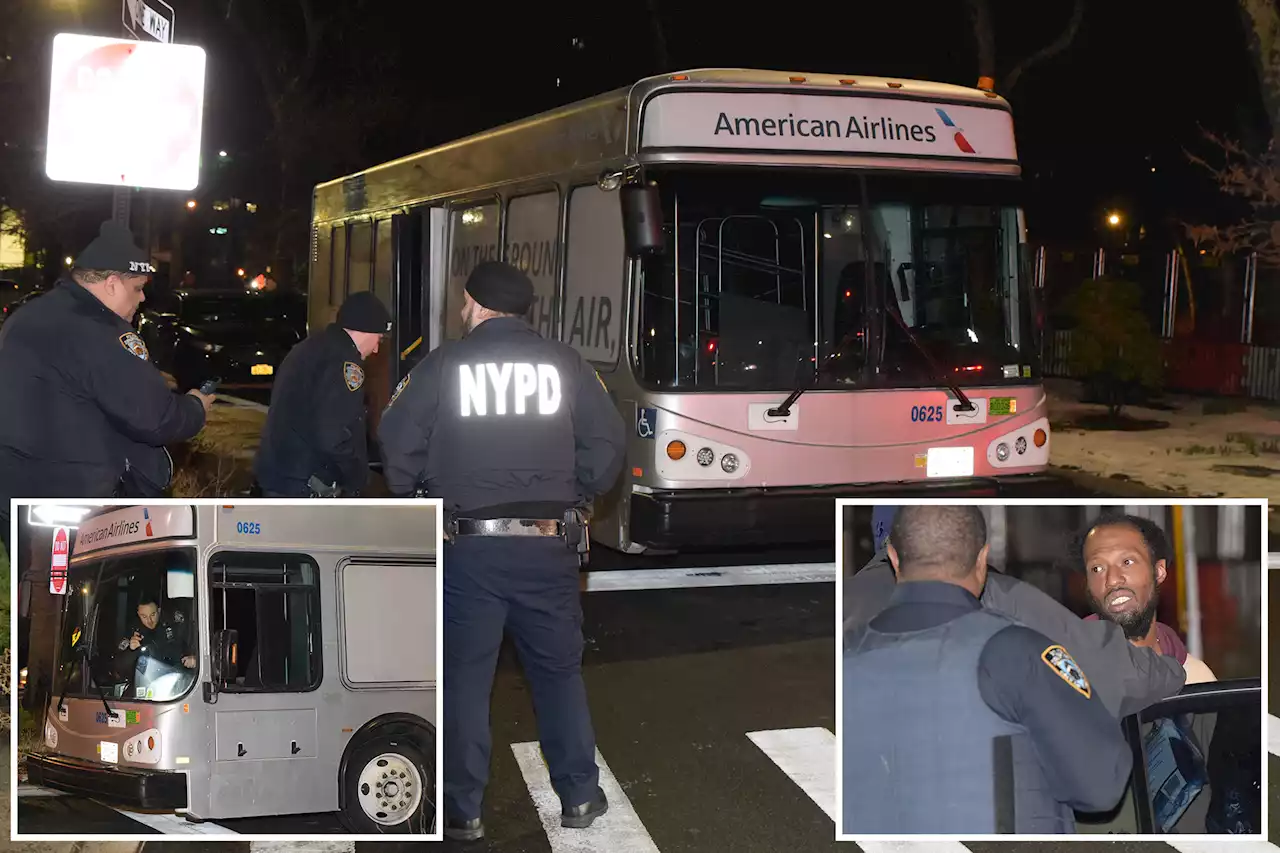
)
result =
(125, 113)
(844, 124)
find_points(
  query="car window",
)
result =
(1197, 765)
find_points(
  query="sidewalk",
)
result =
(1198, 454)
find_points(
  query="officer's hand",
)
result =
(189, 661)
(206, 400)
(135, 641)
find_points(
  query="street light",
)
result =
(1113, 219)
(68, 260)
(191, 204)
(240, 272)
(56, 515)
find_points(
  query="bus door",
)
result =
(266, 651)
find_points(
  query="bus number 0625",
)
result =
(253, 528)
(931, 414)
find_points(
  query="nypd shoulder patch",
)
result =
(1060, 661)
(134, 345)
(353, 374)
(400, 386)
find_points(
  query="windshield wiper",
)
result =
(939, 374)
(83, 654)
(872, 286)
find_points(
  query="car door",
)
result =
(1219, 729)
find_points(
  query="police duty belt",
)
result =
(506, 527)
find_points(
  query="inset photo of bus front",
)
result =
(264, 668)
(1052, 669)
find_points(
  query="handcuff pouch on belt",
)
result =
(319, 489)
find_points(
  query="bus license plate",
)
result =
(109, 752)
(949, 462)
(262, 370)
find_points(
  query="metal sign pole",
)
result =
(141, 19)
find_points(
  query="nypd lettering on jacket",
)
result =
(488, 388)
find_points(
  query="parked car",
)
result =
(8, 308)
(237, 335)
(1224, 721)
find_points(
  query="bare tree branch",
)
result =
(1053, 48)
(1255, 180)
(984, 34)
(1262, 32)
(659, 37)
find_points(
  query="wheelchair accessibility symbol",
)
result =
(646, 421)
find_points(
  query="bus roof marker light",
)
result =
(848, 82)
(795, 79)
(893, 85)
(680, 77)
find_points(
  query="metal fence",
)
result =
(1219, 317)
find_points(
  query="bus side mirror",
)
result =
(641, 219)
(225, 648)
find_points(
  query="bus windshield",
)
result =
(772, 281)
(128, 632)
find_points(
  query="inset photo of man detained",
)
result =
(1051, 668)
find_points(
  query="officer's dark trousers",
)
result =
(531, 587)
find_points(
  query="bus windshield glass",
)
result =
(772, 282)
(129, 630)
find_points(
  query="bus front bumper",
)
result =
(146, 790)
(705, 518)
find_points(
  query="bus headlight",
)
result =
(684, 456)
(1024, 447)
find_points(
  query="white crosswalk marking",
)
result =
(870, 846)
(807, 756)
(172, 824)
(1235, 845)
(618, 831)
(302, 847)
(37, 791)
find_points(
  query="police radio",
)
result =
(210, 385)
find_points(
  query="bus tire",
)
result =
(391, 760)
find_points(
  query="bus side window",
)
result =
(595, 263)
(272, 601)
(473, 239)
(533, 237)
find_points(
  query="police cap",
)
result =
(364, 312)
(114, 250)
(501, 287)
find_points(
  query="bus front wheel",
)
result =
(390, 788)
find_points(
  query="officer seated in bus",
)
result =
(158, 637)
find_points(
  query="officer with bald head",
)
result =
(960, 720)
(516, 434)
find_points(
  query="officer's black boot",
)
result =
(580, 817)
(463, 830)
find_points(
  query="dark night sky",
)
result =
(1128, 95)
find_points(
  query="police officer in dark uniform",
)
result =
(159, 636)
(315, 442)
(513, 432)
(83, 412)
(959, 720)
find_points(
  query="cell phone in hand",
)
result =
(210, 385)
